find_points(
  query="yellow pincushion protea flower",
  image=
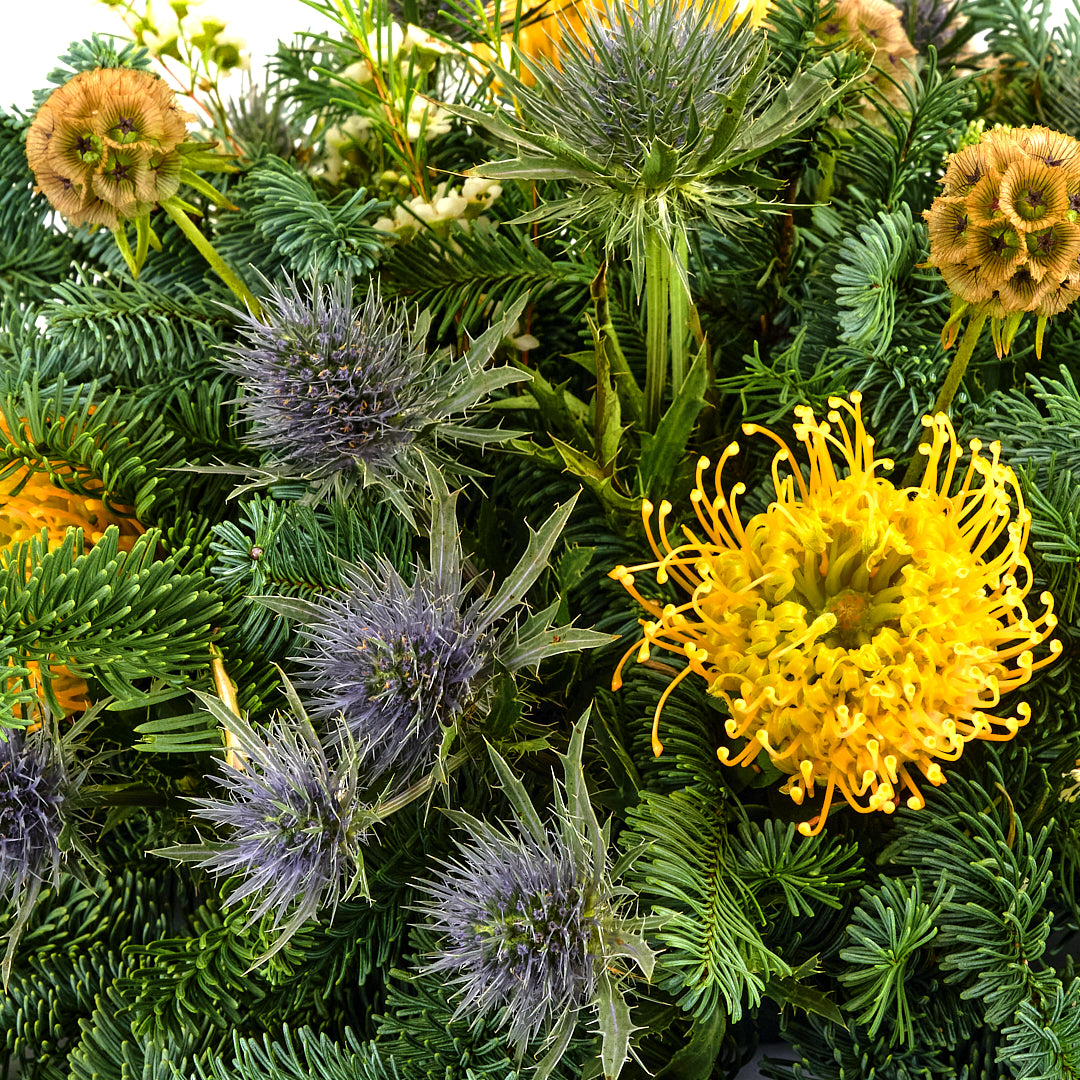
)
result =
(860, 633)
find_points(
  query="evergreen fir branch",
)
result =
(1018, 37)
(458, 277)
(286, 227)
(783, 869)
(1054, 501)
(292, 550)
(119, 615)
(178, 984)
(1045, 1039)
(32, 255)
(993, 927)
(887, 936)
(136, 334)
(897, 156)
(715, 957)
(301, 1055)
(872, 273)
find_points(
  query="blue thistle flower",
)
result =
(31, 813)
(290, 824)
(403, 665)
(336, 391)
(396, 662)
(531, 919)
(520, 926)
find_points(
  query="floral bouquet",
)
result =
(542, 540)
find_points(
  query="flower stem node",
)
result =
(858, 631)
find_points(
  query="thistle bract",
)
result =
(652, 109)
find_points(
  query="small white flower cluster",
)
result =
(161, 30)
(412, 51)
(1071, 792)
(464, 205)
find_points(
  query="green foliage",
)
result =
(1045, 1040)
(715, 954)
(299, 1056)
(123, 617)
(287, 549)
(993, 927)
(889, 932)
(287, 228)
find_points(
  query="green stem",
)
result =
(680, 316)
(949, 387)
(217, 263)
(657, 300)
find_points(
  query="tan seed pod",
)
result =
(999, 249)
(966, 168)
(968, 281)
(983, 202)
(948, 223)
(1022, 292)
(1053, 251)
(1033, 195)
(1052, 148)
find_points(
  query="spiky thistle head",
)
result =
(648, 109)
(397, 662)
(532, 924)
(405, 664)
(858, 632)
(32, 794)
(338, 391)
(289, 822)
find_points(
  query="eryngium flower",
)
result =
(520, 927)
(403, 665)
(858, 632)
(103, 146)
(396, 661)
(334, 389)
(1005, 231)
(649, 111)
(31, 813)
(530, 919)
(290, 824)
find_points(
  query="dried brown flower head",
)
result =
(872, 28)
(103, 146)
(1005, 233)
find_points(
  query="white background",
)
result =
(35, 32)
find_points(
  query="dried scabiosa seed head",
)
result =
(1005, 232)
(103, 147)
(858, 632)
